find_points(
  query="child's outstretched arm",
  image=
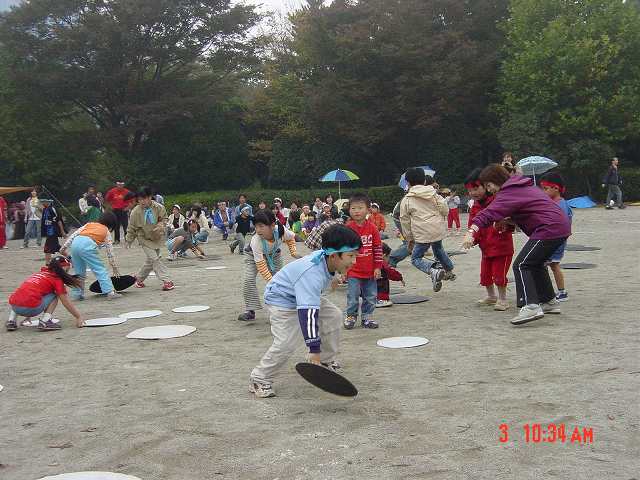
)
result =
(71, 308)
(263, 269)
(292, 248)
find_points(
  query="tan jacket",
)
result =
(148, 235)
(423, 215)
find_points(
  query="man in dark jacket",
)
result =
(613, 180)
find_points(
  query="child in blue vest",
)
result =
(299, 312)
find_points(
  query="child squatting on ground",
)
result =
(299, 311)
(361, 278)
(553, 185)
(263, 255)
(83, 245)
(40, 293)
(388, 273)
(496, 245)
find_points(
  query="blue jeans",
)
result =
(399, 254)
(84, 252)
(367, 288)
(34, 311)
(202, 236)
(438, 251)
(32, 230)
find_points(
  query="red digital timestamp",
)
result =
(550, 433)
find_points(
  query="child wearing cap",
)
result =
(52, 227)
(298, 311)
(39, 294)
(244, 226)
(377, 219)
(553, 185)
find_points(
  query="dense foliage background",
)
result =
(204, 95)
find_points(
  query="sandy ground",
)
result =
(90, 399)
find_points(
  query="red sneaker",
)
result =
(166, 286)
(139, 284)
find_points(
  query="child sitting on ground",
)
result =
(496, 245)
(263, 256)
(553, 185)
(296, 306)
(388, 273)
(309, 224)
(361, 278)
(183, 239)
(40, 293)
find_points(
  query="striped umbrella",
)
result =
(339, 176)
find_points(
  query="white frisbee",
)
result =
(141, 314)
(191, 309)
(152, 274)
(402, 342)
(215, 268)
(91, 476)
(104, 322)
(161, 332)
(1, 388)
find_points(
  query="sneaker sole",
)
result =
(553, 312)
(253, 390)
(527, 320)
(349, 327)
(384, 306)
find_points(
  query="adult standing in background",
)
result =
(116, 198)
(33, 216)
(613, 180)
(84, 207)
(94, 210)
(242, 203)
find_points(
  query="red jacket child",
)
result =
(388, 273)
(496, 244)
(370, 254)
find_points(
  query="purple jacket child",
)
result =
(539, 217)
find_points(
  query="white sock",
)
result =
(45, 317)
(12, 316)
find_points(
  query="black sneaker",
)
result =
(248, 316)
(11, 325)
(436, 278)
(232, 248)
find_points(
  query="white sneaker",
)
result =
(171, 257)
(528, 313)
(384, 303)
(552, 307)
(261, 390)
(113, 295)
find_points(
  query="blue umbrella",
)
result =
(427, 171)
(339, 176)
(535, 165)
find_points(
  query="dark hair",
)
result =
(386, 249)
(145, 192)
(129, 196)
(338, 236)
(428, 180)
(242, 195)
(474, 176)
(264, 217)
(55, 265)
(359, 198)
(109, 220)
(294, 216)
(415, 176)
(197, 209)
(345, 205)
(312, 214)
(188, 223)
(327, 196)
(494, 173)
(553, 177)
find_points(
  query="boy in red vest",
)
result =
(361, 278)
(496, 244)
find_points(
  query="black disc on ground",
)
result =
(581, 248)
(119, 283)
(408, 299)
(577, 266)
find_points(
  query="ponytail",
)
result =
(56, 266)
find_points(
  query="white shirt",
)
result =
(32, 210)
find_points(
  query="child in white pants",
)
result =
(299, 312)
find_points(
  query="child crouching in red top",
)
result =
(496, 244)
(388, 273)
(361, 278)
(40, 293)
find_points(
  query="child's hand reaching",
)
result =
(79, 322)
(377, 274)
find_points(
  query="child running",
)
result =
(361, 278)
(40, 293)
(299, 311)
(147, 225)
(496, 245)
(263, 255)
(52, 228)
(388, 273)
(422, 216)
(83, 245)
(553, 185)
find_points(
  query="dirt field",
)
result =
(90, 399)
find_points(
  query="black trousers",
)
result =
(533, 284)
(123, 221)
